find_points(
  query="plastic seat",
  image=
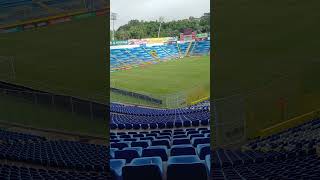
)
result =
(160, 151)
(181, 141)
(187, 167)
(191, 136)
(119, 145)
(125, 136)
(153, 126)
(128, 126)
(128, 153)
(196, 141)
(204, 122)
(161, 125)
(113, 126)
(169, 125)
(179, 150)
(192, 132)
(178, 124)
(138, 135)
(186, 123)
(142, 144)
(208, 163)
(161, 142)
(203, 150)
(111, 152)
(132, 133)
(179, 133)
(129, 139)
(179, 136)
(136, 126)
(116, 167)
(121, 126)
(144, 126)
(164, 137)
(143, 168)
(195, 123)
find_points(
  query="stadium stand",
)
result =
(12, 11)
(291, 154)
(122, 58)
(26, 156)
(148, 143)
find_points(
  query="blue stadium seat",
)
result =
(136, 126)
(153, 151)
(142, 144)
(161, 142)
(178, 124)
(153, 126)
(119, 145)
(196, 141)
(179, 150)
(144, 168)
(203, 150)
(128, 153)
(116, 166)
(195, 123)
(186, 123)
(161, 125)
(169, 125)
(179, 136)
(208, 163)
(187, 167)
(112, 150)
(178, 141)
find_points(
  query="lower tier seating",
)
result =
(168, 153)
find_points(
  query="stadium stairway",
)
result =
(188, 49)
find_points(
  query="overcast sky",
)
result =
(152, 9)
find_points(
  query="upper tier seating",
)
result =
(12, 11)
(122, 57)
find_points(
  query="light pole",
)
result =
(161, 19)
(113, 18)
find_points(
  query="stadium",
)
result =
(266, 91)
(160, 104)
(53, 102)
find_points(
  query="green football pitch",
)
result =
(68, 59)
(189, 76)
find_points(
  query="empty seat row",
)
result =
(162, 151)
(178, 167)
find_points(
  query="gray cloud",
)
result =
(153, 9)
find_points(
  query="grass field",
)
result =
(67, 58)
(260, 42)
(188, 76)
